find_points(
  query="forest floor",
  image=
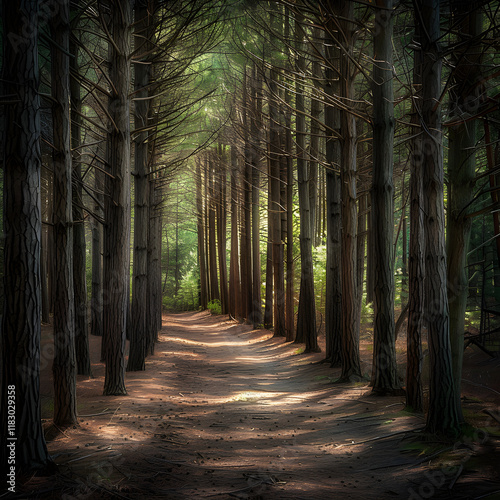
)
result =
(224, 411)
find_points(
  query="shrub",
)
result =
(214, 306)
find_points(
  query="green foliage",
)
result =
(214, 306)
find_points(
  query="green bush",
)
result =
(214, 307)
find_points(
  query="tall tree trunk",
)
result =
(154, 264)
(212, 243)
(268, 300)
(461, 173)
(333, 292)
(416, 261)
(351, 369)
(306, 320)
(142, 45)
(442, 417)
(384, 370)
(201, 238)
(290, 288)
(96, 292)
(276, 209)
(256, 117)
(234, 270)
(79, 245)
(20, 339)
(316, 108)
(246, 243)
(64, 366)
(221, 231)
(117, 205)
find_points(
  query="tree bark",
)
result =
(275, 213)
(117, 204)
(416, 261)
(256, 117)
(221, 230)
(234, 271)
(442, 417)
(64, 365)
(384, 377)
(79, 246)
(351, 369)
(201, 238)
(142, 45)
(461, 173)
(20, 339)
(306, 320)
(333, 292)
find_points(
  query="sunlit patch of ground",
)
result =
(224, 411)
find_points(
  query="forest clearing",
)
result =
(225, 411)
(250, 249)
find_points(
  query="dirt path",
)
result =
(224, 411)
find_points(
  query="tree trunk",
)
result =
(461, 173)
(306, 320)
(275, 213)
(290, 288)
(351, 369)
(256, 117)
(221, 230)
(442, 417)
(96, 295)
(142, 44)
(154, 265)
(201, 238)
(234, 269)
(20, 339)
(64, 366)
(212, 243)
(117, 205)
(246, 248)
(416, 261)
(79, 246)
(384, 377)
(333, 292)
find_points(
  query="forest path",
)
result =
(224, 411)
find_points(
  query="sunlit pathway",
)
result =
(224, 411)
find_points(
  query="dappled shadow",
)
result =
(226, 411)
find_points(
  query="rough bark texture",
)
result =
(275, 215)
(20, 339)
(64, 365)
(306, 319)
(442, 417)
(221, 230)
(256, 106)
(117, 203)
(333, 292)
(138, 332)
(201, 239)
(212, 240)
(384, 372)
(234, 270)
(79, 245)
(416, 262)
(96, 292)
(289, 297)
(154, 265)
(351, 369)
(461, 172)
